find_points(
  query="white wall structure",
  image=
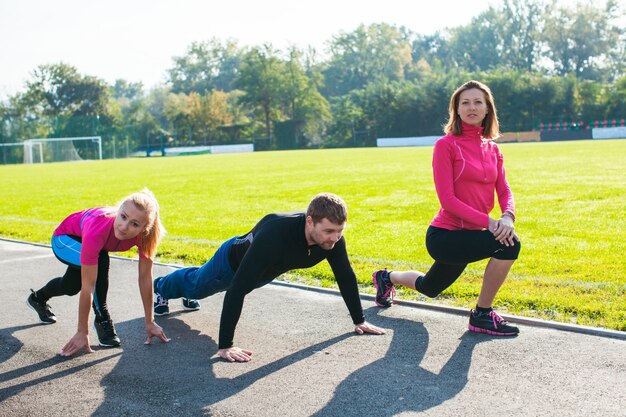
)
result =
(408, 141)
(608, 132)
(246, 147)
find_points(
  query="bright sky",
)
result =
(137, 39)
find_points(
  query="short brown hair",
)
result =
(328, 206)
(491, 126)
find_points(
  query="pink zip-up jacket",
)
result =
(95, 228)
(467, 170)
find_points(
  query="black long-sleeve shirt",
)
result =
(275, 245)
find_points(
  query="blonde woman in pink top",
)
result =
(468, 170)
(83, 241)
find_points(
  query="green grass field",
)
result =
(570, 200)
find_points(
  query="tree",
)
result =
(60, 90)
(307, 109)
(616, 99)
(150, 123)
(75, 104)
(128, 99)
(347, 121)
(207, 114)
(519, 97)
(177, 110)
(429, 52)
(368, 54)
(616, 60)
(206, 66)
(520, 25)
(581, 40)
(475, 47)
(127, 90)
(261, 77)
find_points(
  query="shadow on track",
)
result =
(179, 377)
(60, 366)
(396, 383)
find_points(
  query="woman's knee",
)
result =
(423, 287)
(431, 293)
(509, 253)
(70, 283)
(70, 288)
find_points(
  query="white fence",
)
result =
(247, 147)
(408, 141)
(608, 132)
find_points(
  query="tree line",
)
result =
(545, 62)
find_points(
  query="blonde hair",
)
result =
(328, 206)
(154, 231)
(490, 124)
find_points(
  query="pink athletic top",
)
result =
(95, 228)
(467, 169)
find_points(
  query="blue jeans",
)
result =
(199, 282)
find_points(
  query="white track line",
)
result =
(25, 258)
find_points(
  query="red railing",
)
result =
(570, 125)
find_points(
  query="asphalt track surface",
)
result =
(307, 361)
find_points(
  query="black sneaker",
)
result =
(106, 333)
(490, 323)
(190, 304)
(161, 305)
(42, 309)
(385, 291)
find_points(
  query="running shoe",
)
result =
(385, 291)
(42, 309)
(161, 305)
(190, 304)
(107, 337)
(490, 323)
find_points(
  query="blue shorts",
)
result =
(67, 249)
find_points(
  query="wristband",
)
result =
(509, 214)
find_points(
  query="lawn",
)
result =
(570, 199)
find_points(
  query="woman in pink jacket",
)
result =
(83, 241)
(468, 169)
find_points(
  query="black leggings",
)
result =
(452, 250)
(70, 284)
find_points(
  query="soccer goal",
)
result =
(11, 153)
(62, 149)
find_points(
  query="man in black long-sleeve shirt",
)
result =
(278, 243)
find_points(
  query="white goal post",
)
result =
(11, 153)
(61, 149)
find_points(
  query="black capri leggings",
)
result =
(71, 282)
(452, 250)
